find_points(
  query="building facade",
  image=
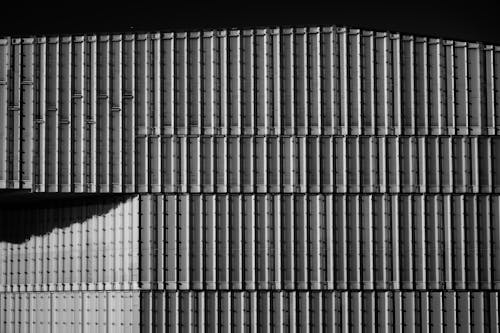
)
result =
(276, 179)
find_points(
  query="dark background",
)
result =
(468, 21)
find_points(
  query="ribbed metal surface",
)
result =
(86, 311)
(105, 113)
(320, 311)
(317, 242)
(254, 242)
(313, 179)
(263, 311)
(78, 245)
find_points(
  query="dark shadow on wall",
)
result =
(23, 215)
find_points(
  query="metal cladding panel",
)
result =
(330, 164)
(84, 245)
(74, 311)
(100, 113)
(317, 311)
(320, 242)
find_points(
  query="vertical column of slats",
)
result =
(143, 110)
(422, 85)
(78, 100)
(286, 163)
(366, 240)
(353, 248)
(247, 163)
(180, 83)
(233, 156)
(313, 83)
(313, 176)
(488, 55)
(109, 245)
(262, 72)
(116, 119)
(343, 80)
(485, 250)
(67, 246)
(51, 124)
(458, 241)
(406, 242)
(120, 251)
(288, 240)
(313, 225)
(65, 114)
(194, 163)
(472, 245)
(221, 163)
(249, 241)
(171, 241)
(90, 79)
(382, 167)
(208, 164)
(27, 110)
(301, 110)
(195, 243)
(169, 163)
(248, 81)
(235, 242)
(103, 114)
(183, 242)
(234, 82)
(407, 85)
(272, 174)
(14, 109)
(395, 83)
(125, 243)
(354, 78)
(495, 241)
(276, 238)
(437, 116)
(124, 66)
(223, 242)
(367, 83)
(377, 243)
(421, 243)
(261, 169)
(193, 83)
(448, 246)
(135, 248)
(209, 113)
(461, 87)
(393, 164)
(496, 85)
(210, 242)
(4, 91)
(326, 81)
(275, 94)
(450, 86)
(95, 239)
(383, 109)
(476, 92)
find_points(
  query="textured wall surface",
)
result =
(307, 179)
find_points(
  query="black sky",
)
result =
(470, 23)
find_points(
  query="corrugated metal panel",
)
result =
(320, 241)
(254, 242)
(267, 311)
(83, 311)
(99, 113)
(123, 311)
(330, 164)
(86, 245)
